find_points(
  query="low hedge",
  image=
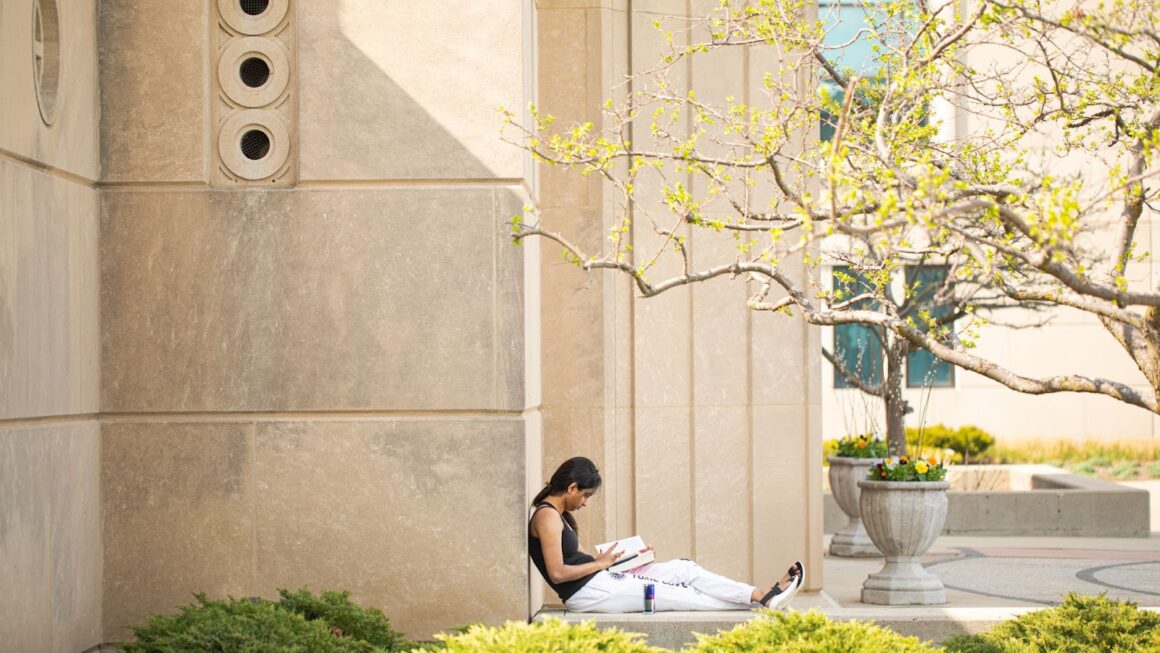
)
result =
(549, 635)
(1082, 624)
(330, 623)
(794, 632)
(299, 623)
(345, 618)
(808, 632)
(970, 443)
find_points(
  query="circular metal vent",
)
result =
(253, 17)
(254, 72)
(255, 145)
(254, 7)
(46, 56)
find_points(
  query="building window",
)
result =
(844, 21)
(922, 367)
(857, 346)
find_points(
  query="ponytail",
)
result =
(541, 496)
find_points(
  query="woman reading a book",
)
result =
(585, 583)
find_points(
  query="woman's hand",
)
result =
(608, 558)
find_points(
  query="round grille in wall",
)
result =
(253, 16)
(254, 71)
(46, 56)
(254, 144)
(254, 7)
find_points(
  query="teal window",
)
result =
(922, 367)
(843, 20)
(858, 346)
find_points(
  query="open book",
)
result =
(632, 553)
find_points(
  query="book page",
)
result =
(630, 553)
(627, 546)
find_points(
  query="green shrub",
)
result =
(809, 632)
(968, 442)
(1083, 624)
(1084, 467)
(1126, 470)
(336, 610)
(240, 625)
(549, 635)
(1152, 470)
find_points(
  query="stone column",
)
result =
(318, 376)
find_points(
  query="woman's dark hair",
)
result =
(578, 470)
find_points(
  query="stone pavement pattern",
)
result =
(1003, 572)
(988, 580)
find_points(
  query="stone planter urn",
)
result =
(851, 541)
(903, 518)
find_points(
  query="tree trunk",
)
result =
(894, 404)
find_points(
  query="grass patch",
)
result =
(1068, 452)
(1152, 470)
(1116, 460)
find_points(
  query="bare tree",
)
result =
(1003, 209)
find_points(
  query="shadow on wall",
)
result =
(366, 125)
(369, 298)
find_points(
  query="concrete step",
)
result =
(675, 630)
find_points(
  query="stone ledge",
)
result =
(674, 630)
(1032, 500)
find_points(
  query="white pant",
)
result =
(680, 585)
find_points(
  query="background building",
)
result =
(1036, 344)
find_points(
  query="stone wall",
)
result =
(50, 529)
(316, 378)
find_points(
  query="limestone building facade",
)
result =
(261, 327)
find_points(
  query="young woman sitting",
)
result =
(584, 583)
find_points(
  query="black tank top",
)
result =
(572, 556)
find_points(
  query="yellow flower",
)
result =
(921, 467)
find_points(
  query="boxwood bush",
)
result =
(345, 618)
(808, 632)
(1083, 624)
(970, 443)
(550, 635)
(300, 622)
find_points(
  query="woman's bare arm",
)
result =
(548, 528)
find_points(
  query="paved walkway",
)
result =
(988, 580)
(1013, 572)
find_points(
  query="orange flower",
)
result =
(903, 460)
(932, 461)
(861, 444)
